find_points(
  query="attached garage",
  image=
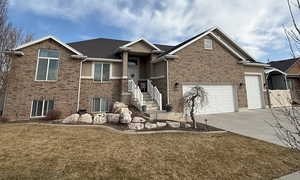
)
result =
(221, 98)
(254, 91)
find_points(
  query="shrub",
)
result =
(3, 119)
(53, 115)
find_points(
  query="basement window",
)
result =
(100, 104)
(208, 44)
(40, 108)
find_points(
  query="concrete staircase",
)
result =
(150, 103)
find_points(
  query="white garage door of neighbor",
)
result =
(220, 99)
(253, 89)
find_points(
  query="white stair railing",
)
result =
(154, 93)
(136, 94)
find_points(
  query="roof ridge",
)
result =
(297, 58)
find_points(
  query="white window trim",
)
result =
(42, 109)
(211, 41)
(93, 72)
(100, 105)
(37, 66)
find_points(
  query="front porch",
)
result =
(138, 88)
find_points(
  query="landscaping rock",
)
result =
(113, 118)
(161, 124)
(118, 106)
(150, 125)
(173, 124)
(71, 119)
(138, 120)
(85, 118)
(100, 118)
(186, 125)
(125, 117)
(136, 126)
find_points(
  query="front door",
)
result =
(133, 69)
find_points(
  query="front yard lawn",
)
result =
(61, 152)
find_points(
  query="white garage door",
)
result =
(220, 99)
(253, 89)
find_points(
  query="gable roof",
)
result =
(211, 32)
(47, 38)
(284, 65)
(141, 39)
(108, 48)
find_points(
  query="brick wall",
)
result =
(23, 88)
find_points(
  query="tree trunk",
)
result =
(192, 113)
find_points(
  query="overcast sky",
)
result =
(256, 25)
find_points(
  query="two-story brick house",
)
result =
(49, 74)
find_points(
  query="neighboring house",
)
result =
(48, 74)
(286, 75)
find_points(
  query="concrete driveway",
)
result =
(252, 123)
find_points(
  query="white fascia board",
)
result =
(223, 32)
(46, 38)
(267, 71)
(192, 41)
(141, 39)
(255, 64)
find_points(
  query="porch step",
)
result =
(150, 103)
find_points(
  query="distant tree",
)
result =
(194, 99)
(10, 37)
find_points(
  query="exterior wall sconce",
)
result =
(176, 85)
(241, 84)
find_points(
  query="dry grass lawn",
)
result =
(57, 152)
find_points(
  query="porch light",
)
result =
(176, 85)
(241, 84)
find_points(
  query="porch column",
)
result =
(125, 95)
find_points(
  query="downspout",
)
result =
(79, 84)
(168, 98)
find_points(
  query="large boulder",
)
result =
(173, 124)
(113, 118)
(100, 118)
(125, 118)
(72, 119)
(136, 126)
(187, 125)
(150, 125)
(161, 124)
(118, 106)
(138, 120)
(85, 118)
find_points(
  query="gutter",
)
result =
(12, 52)
(248, 63)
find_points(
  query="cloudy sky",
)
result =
(256, 25)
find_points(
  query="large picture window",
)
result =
(40, 108)
(100, 104)
(101, 72)
(47, 68)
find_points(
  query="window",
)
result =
(47, 68)
(101, 72)
(100, 104)
(40, 108)
(208, 44)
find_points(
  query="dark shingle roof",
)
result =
(104, 48)
(283, 65)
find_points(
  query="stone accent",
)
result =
(72, 119)
(113, 118)
(100, 119)
(138, 120)
(85, 118)
(150, 125)
(118, 106)
(125, 116)
(136, 126)
(161, 124)
(173, 124)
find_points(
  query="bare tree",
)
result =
(194, 99)
(10, 37)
